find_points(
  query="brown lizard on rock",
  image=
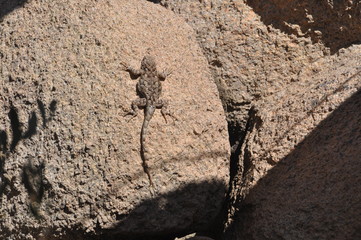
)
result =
(149, 89)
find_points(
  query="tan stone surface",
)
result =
(302, 152)
(248, 58)
(336, 24)
(285, 58)
(65, 56)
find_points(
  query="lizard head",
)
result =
(148, 63)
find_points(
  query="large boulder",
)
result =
(70, 159)
(300, 158)
(281, 70)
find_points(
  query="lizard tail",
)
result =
(149, 111)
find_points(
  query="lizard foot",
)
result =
(124, 65)
(165, 113)
(132, 113)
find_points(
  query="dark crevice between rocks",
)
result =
(236, 138)
(254, 122)
(237, 132)
(297, 177)
(239, 165)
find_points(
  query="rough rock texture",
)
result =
(302, 149)
(275, 55)
(335, 23)
(70, 159)
(296, 177)
(247, 57)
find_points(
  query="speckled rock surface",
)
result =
(301, 155)
(336, 24)
(296, 177)
(70, 159)
(285, 58)
(248, 58)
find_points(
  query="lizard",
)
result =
(149, 89)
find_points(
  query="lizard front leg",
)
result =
(134, 73)
(163, 75)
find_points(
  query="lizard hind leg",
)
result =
(136, 104)
(163, 105)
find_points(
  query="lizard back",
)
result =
(149, 85)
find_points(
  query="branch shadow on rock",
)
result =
(32, 125)
(52, 108)
(313, 191)
(15, 127)
(7, 6)
(17, 136)
(33, 179)
(337, 25)
(193, 208)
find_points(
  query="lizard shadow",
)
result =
(195, 207)
(314, 190)
(7, 6)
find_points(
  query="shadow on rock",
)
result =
(193, 208)
(315, 191)
(17, 136)
(7, 6)
(334, 23)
